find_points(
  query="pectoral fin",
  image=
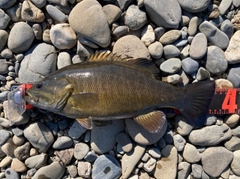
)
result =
(152, 122)
(85, 122)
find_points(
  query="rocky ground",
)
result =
(188, 40)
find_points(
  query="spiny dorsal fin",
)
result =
(147, 66)
(104, 56)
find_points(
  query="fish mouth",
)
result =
(30, 98)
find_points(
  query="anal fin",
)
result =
(85, 122)
(152, 122)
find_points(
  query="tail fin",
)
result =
(197, 100)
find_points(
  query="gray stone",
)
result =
(91, 156)
(216, 155)
(4, 19)
(54, 170)
(97, 31)
(234, 76)
(156, 9)
(233, 53)
(183, 128)
(197, 171)
(183, 170)
(192, 27)
(198, 46)
(166, 167)
(202, 74)
(147, 35)
(135, 18)
(11, 174)
(22, 152)
(224, 5)
(159, 31)
(170, 37)
(62, 36)
(130, 160)
(31, 13)
(179, 142)
(20, 37)
(235, 165)
(120, 31)
(65, 155)
(170, 51)
(191, 154)
(64, 59)
(171, 66)
(5, 4)
(112, 12)
(72, 170)
(4, 135)
(36, 161)
(8, 148)
(39, 3)
(214, 35)
(39, 62)
(7, 54)
(216, 62)
(130, 46)
(39, 136)
(103, 137)
(6, 161)
(62, 142)
(84, 169)
(190, 66)
(194, 6)
(123, 4)
(227, 28)
(154, 152)
(231, 120)
(3, 66)
(125, 142)
(56, 14)
(14, 12)
(141, 135)
(150, 165)
(76, 130)
(3, 38)
(80, 151)
(236, 3)
(233, 144)
(210, 135)
(106, 166)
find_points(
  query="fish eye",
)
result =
(39, 85)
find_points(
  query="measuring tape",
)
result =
(225, 101)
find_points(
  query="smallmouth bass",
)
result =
(106, 87)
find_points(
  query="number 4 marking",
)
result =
(229, 102)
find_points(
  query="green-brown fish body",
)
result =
(105, 88)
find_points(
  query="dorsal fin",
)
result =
(104, 56)
(146, 66)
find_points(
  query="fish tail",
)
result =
(197, 98)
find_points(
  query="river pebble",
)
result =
(135, 18)
(200, 39)
(106, 166)
(97, 31)
(211, 155)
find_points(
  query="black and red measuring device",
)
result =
(225, 101)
